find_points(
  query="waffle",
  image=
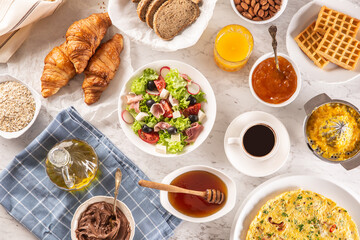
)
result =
(340, 49)
(308, 40)
(339, 21)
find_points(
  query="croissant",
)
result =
(102, 68)
(84, 36)
(58, 70)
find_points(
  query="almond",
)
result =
(271, 14)
(266, 6)
(237, 2)
(247, 15)
(244, 6)
(263, 2)
(272, 3)
(253, 2)
(239, 8)
(273, 9)
(261, 13)
(257, 19)
(278, 2)
(277, 7)
(251, 11)
(266, 13)
(256, 8)
(247, 2)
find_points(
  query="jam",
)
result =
(270, 85)
(195, 206)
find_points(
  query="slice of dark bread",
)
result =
(174, 16)
(142, 9)
(153, 7)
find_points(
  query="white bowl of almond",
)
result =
(19, 107)
(259, 11)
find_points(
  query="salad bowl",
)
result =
(208, 106)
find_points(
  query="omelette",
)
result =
(302, 215)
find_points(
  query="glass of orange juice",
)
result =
(233, 46)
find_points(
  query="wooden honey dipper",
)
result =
(210, 195)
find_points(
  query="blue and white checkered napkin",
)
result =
(31, 198)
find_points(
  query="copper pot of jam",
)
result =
(332, 130)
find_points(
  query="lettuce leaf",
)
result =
(138, 86)
(176, 85)
(180, 123)
(171, 146)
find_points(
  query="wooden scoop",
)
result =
(210, 195)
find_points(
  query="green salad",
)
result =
(165, 109)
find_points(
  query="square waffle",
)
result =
(340, 49)
(339, 21)
(308, 40)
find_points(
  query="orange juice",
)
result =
(233, 46)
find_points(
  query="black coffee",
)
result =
(259, 140)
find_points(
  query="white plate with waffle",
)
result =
(330, 73)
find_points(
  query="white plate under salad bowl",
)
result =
(241, 161)
(209, 107)
(343, 196)
(303, 18)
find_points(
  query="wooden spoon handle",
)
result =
(169, 188)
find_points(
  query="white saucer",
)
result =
(241, 161)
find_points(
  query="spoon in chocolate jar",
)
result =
(210, 195)
(272, 31)
(118, 176)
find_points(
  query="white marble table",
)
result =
(233, 98)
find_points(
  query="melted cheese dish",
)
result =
(333, 131)
(299, 215)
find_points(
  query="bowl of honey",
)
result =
(272, 87)
(194, 208)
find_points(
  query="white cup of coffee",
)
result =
(258, 140)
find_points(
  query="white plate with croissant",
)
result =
(162, 33)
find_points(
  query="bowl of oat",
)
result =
(259, 11)
(19, 107)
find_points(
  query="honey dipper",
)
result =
(210, 195)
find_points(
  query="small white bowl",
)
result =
(85, 205)
(297, 71)
(209, 107)
(230, 200)
(277, 14)
(10, 135)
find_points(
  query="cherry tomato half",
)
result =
(168, 111)
(151, 138)
(192, 110)
(160, 84)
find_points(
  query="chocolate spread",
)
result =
(96, 223)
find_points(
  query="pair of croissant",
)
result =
(76, 55)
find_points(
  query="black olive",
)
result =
(149, 103)
(172, 130)
(193, 118)
(147, 129)
(151, 86)
(192, 100)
